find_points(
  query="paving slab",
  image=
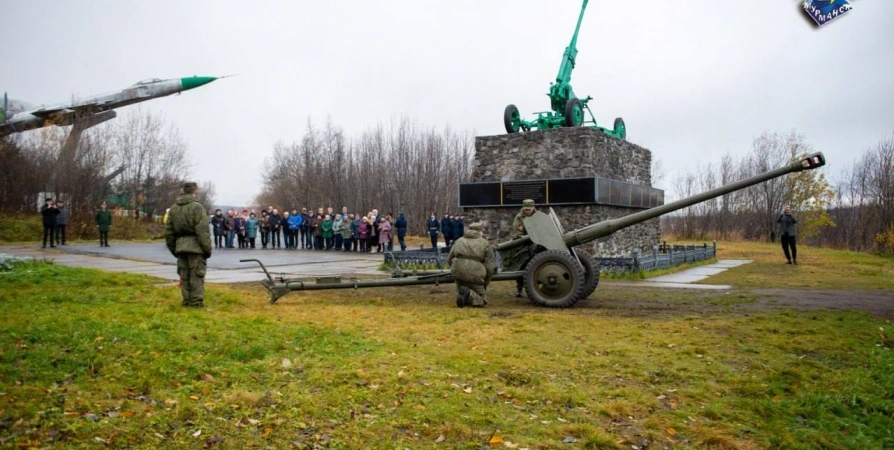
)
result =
(153, 259)
(651, 284)
(698, 273)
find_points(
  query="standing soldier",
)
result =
(48, 213)
(103, 223)
(187, 237)
(518, 230)
(472, 264)
(433, 227)
(447, 229)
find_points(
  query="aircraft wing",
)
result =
(49, 112)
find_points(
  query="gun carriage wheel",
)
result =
(511, 119)
(574, 113)
(554, 279)
(620, 129)
(591, 273)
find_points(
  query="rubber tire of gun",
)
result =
(574, 269)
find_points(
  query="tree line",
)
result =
(136, 163)
(398, 167)
(855, 212)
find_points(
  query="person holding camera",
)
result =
(787, 224)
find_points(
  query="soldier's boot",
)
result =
(462, 296)
(476, 298)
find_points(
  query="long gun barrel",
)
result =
(570, 54)
(602, 229)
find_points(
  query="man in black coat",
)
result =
(48, 213)
(787, 233)
(61, 223)
(401, 226)
(433, 227)
(447, 230)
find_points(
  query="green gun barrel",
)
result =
(608, 227)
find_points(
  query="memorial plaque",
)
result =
(560, 191)
(514, 192)
(479, 194)
(571, 191)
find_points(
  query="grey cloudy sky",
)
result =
(692, 79)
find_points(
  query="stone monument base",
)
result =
(565, 153)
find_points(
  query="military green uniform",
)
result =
(518, 230)
(188, 238)
(472, 265)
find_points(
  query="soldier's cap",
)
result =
(477, 226)
(190, 185)
(528, 203)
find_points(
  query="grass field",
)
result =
(818, 268)
(91, 359)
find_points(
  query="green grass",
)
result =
(89, 358)
(818, 268)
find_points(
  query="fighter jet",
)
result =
(17, 116)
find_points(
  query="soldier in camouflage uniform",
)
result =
(518, 230)
(189, 239)
(472, 265)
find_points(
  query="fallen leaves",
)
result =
(671, 431)
(495, 440)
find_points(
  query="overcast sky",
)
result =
(692, 79)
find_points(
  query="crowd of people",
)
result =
(322, 230)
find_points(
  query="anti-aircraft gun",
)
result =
(567, 108)
(555, 273)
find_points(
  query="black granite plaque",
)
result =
(571, 191)
(514, 192)
(479, 194)
(560, 191)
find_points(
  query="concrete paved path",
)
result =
(687, 278)
(223, 266)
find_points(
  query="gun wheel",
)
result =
(591, 273)
(620, 129)
(574, 113)
(554, 279)
(511, 119)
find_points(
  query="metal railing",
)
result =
(662, 256)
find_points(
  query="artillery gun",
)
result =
(555, 273)
(567, 108)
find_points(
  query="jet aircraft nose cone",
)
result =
(194, 82)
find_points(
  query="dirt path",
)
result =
(622, 301)
(879, 303)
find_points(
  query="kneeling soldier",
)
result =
(189, 239)
(472, 265)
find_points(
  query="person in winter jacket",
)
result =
(400, 225)
(384, 234)
(459, 227)
(218, 223)
(265, 229)
(295, 221)
(433, 227)
(251, 229)
(48, 213)
(355, 232)
(363, 234)
(347, 234)
(447, 230)
(317, 230)
(787, 234)
(104, 222)
(61, 223)
(239, 223)
(338, 226)
(327, 233)
(275, 224)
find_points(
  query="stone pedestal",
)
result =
(565, 153)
